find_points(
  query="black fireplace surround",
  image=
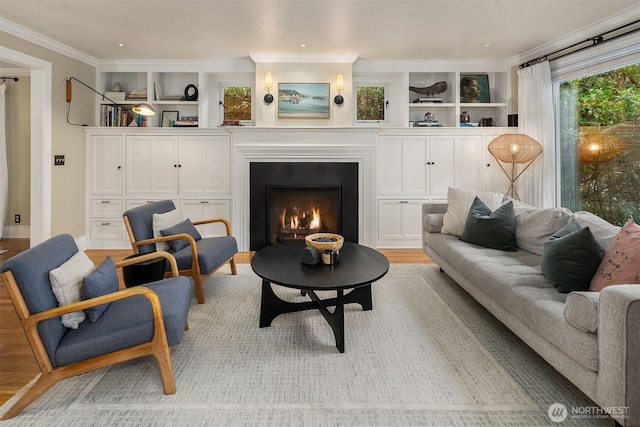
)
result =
(302, 174)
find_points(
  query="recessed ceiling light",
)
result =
(303, 45)
(486, 44)
(120, 44)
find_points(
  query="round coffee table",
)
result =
(357, 267)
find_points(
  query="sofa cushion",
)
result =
(621, 263)
(571, 257)
(212, 252)
(184, 227)
(603, 231)
(459, 202)
(66, 284)
(535, 225)
(103, 281)
(141, 220)
(581, 310)
(491, 229)
(163, 221)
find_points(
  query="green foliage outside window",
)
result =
(237, 103)
(370, 103)
(600, 144)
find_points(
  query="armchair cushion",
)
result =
(103, 281)
(66, 284)
(186, 227)
(162, 221)
(212, 252)
(129, 322)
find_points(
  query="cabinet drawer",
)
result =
(105, 208)
(107, 230)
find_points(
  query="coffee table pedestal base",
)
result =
(271, 306)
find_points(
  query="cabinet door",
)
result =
(414, 165)
(152, 166)
(390, 165)
(105, 165)
(400, 222)
(441, 165)
(205, 166)
(205, 209)
(468, 162)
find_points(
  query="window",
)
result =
(600, 144)
(371, 102)
(237, 103)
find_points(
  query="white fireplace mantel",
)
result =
(304, 145)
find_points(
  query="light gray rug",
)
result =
(426, 355)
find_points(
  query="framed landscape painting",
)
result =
(303, 100)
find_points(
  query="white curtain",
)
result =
(4, 174)
(537, 185)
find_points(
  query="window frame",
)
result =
(371, 82)
(237, 82)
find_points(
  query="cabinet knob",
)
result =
(106, 223)
(488, 164)
(105, 201)
(175, 166)
(204, 202)
(404, 201)
(179, 166)
(119, 167)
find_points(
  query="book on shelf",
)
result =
(425, 123)
(427, 99)
(116, 116)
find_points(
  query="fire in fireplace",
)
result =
(295, 212)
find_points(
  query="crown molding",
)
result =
(335, 58)
(46, 42)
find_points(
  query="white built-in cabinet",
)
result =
(125, 170)
(419, 166)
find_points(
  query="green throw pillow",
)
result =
(571, 257)
(495, 229)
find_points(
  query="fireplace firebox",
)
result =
(290, 200)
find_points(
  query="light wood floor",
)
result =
(17, 364)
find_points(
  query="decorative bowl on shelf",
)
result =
(324, 241)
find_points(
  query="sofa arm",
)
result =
(619, 353)
(432, 214)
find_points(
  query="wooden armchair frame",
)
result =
(194, 270)
(50, 375)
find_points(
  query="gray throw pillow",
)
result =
(571, 257)
(103, 281)
(185, 226)
(495, 229)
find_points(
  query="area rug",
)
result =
(426, 355)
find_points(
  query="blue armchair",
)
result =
(139, 321)
(198, 257)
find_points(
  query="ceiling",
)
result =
(372, 29)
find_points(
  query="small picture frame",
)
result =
(474, 89)
(169, 118)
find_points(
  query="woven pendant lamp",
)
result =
(514, 148)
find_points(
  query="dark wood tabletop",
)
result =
(357, 266)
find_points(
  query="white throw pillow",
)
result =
(459, 202)
(162, 221)
(66, 284)
(534, 226)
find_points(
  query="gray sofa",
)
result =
(593, 339)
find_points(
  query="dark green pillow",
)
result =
(495, 229)
(571, 257)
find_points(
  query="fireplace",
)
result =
(289, 200)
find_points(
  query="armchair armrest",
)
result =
(619, 352)
(226, 223)
(149, 256)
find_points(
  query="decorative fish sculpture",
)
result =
(434, 89)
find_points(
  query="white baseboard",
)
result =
(16, 232)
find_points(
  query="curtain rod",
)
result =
(599, 39)
(4, 79)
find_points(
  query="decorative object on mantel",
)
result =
(464, 117)
(429, 91)
(429, 120)
(515, 148)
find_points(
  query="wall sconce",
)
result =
(268, 84)
(339, 99)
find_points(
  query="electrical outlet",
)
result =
(17, 219)
(58, 160)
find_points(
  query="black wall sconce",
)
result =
(268, 84)
(339, 99)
